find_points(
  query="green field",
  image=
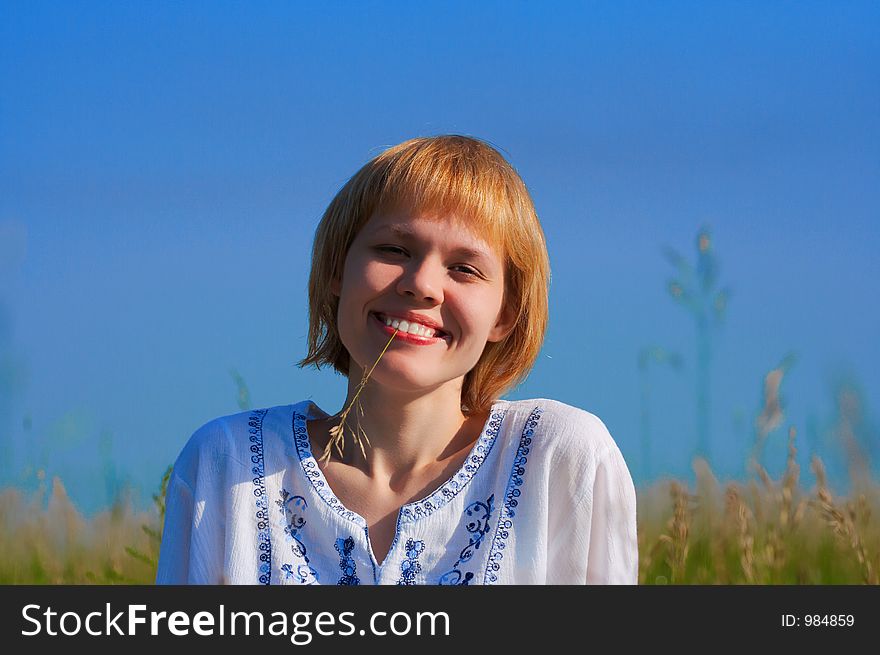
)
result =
(761, 531)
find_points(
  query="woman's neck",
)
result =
(408, 433)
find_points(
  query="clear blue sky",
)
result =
(163, 166)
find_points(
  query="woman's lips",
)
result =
(414, 339)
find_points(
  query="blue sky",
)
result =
(163, 167)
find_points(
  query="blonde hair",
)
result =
(442, 175)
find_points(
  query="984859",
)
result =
(818, 620)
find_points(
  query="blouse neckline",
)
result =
(410, 512)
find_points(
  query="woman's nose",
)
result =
(422, 280)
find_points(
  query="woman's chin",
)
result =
(404, 380)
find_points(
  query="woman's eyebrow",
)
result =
(405, 232)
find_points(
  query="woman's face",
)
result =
(437, 271)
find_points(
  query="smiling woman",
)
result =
(429, 291)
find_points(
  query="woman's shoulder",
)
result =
(561, 430)
(559, 421)
(574, 443)
(229, 438)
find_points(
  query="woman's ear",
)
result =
(336, 286)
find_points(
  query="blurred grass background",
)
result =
(761, 531)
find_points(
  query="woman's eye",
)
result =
(395, 250)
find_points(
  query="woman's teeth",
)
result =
(411, 328)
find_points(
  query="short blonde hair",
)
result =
(441, 175)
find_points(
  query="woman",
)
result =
(429, 291)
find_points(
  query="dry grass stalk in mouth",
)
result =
(337, 432)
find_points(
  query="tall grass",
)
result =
(761, 531)
(44, 539)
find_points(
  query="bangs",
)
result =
(458, 176)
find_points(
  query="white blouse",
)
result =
(544, 497)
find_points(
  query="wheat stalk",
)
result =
(337, 432)
(789, 484)
(741, 513)
(841, 522)
(676, 537)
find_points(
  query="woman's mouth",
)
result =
(413, 333)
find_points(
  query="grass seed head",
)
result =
(337, 432)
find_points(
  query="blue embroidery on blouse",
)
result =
(255, 430)
(411, 511)
(453, 486)
(505, 522)
(313, 473)
(410, 567)
(289, 506)
(478, 529)
(346, 563)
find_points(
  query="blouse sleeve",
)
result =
(613, 550)
(176, 537)
(192, 549)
